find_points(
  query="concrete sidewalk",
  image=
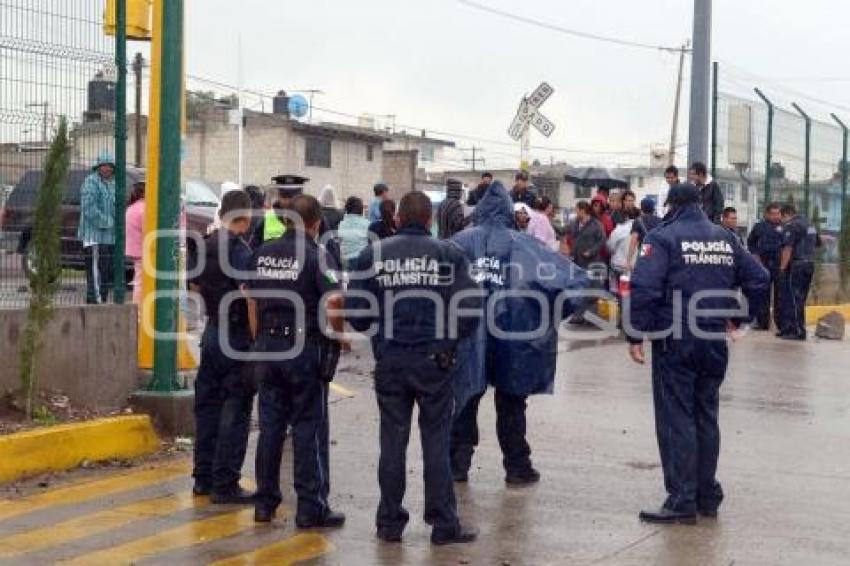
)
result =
(785, 467)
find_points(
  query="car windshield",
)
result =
(199, 193)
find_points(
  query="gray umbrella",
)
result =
(595, 177)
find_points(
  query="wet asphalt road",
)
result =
(785, 467)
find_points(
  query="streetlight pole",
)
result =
(700, 82)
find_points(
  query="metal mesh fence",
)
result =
(743, 134)
(54, 61)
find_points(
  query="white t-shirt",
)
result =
(618, 245)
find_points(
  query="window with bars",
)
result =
(317, 152)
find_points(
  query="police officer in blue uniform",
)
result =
(684, 257)
(283, 189)
(796, 270)
(765, 242)
(224, 388)
(292, 282)
(418, 277)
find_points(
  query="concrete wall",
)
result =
(269, 149)
(270, 146)
(89, 354)
(399, 171)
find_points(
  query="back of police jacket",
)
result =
(524, 281)
(420, 279)
(687, 267)
(216, 280)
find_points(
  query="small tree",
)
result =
(47, 267)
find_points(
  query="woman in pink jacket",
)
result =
(134, 224)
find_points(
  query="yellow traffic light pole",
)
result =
(156, 307)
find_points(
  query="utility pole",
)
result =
(676, 105)
(240, 155)
(700, 82)
(474, 160)
(138, 65)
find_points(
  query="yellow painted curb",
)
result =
(814, 312)
(66, 446)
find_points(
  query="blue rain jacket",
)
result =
(507, 262)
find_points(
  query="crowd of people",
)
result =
(379, 268)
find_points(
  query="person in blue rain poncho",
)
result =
(514, 349)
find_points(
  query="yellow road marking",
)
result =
(96, 523)
(87, 490)
(190, 534)
(340, 390)
(290, 551)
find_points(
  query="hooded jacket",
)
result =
(523, 281)
(97, 206)
(605, 218)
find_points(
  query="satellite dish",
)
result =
(298, 106)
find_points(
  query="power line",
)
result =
(786, 90)
(568, 31)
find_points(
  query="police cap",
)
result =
(288, 185)
(682, 194)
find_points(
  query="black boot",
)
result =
(666, 516)
(263, 514)
(459, 535)
(235, 496)
(523, 478)
(331, 520)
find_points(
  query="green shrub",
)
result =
(44, 283)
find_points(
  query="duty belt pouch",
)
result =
(329, 358)
(445, 360)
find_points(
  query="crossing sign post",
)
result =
(528, 115)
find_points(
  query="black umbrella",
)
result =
(595, 177)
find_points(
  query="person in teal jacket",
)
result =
(97, 227)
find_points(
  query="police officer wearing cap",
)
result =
(422, 282)
(224, 387)
(765, 242)
(796, 270)
(283, 189)
(689, 259)
(293, 289)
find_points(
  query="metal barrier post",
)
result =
(769, 152)
(119, 287)
(807, 168)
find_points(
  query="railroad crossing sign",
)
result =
(529, 114)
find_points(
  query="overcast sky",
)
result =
(445, 66)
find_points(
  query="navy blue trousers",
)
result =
(224, 397)
(763, 317)
(400, 382)
(794, 291)
(686, 379)
(292, 394)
